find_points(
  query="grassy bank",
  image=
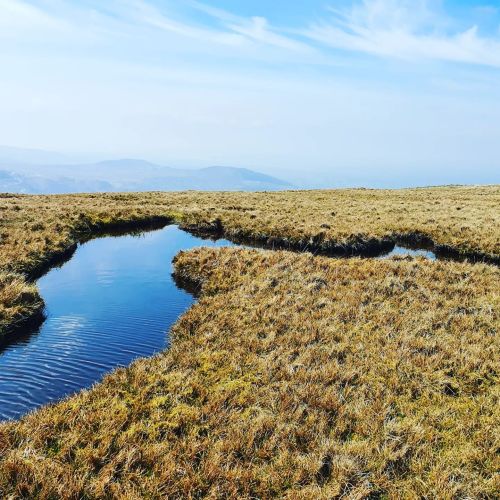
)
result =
(37, 231)
(20, 304)
(463, 218)
(294, 376)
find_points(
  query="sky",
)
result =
(363, 92)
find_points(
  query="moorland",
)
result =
(295, 374)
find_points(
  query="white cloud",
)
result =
(256, 28)
(125, 77)
(246, 35)
(402, 29)
(405, 30)
(166, 30)
(141, 12)
(17, 15)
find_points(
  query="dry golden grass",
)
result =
(36, 230)
(294, 376)
(464, 218)
(20, 303)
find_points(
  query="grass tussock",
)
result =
(20, 303)
(293, 376)
(36, 228)
(38, 231)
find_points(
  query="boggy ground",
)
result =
(293, 376)
(36, 231)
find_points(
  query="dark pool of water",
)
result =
(113, 302)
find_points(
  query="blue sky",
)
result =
(340, 90)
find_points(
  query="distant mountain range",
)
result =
(12, 182)
(19, 173)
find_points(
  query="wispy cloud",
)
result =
(19, 15)
(165, 27)
(143, 13)
(404, 29)
(255, 28)
(251, 84)
(231, 30)
(400, 29)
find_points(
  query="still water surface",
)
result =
(113, 302)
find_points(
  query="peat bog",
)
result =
(113, 301)
(110, 300)
(292, 374)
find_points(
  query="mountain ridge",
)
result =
(130, 174)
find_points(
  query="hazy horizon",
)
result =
(107, 172)
(375, 93)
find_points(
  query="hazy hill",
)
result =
(127, 175)
(12, 182)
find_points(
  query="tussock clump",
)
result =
(21, 304)
(38, 231)
(293, 376)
